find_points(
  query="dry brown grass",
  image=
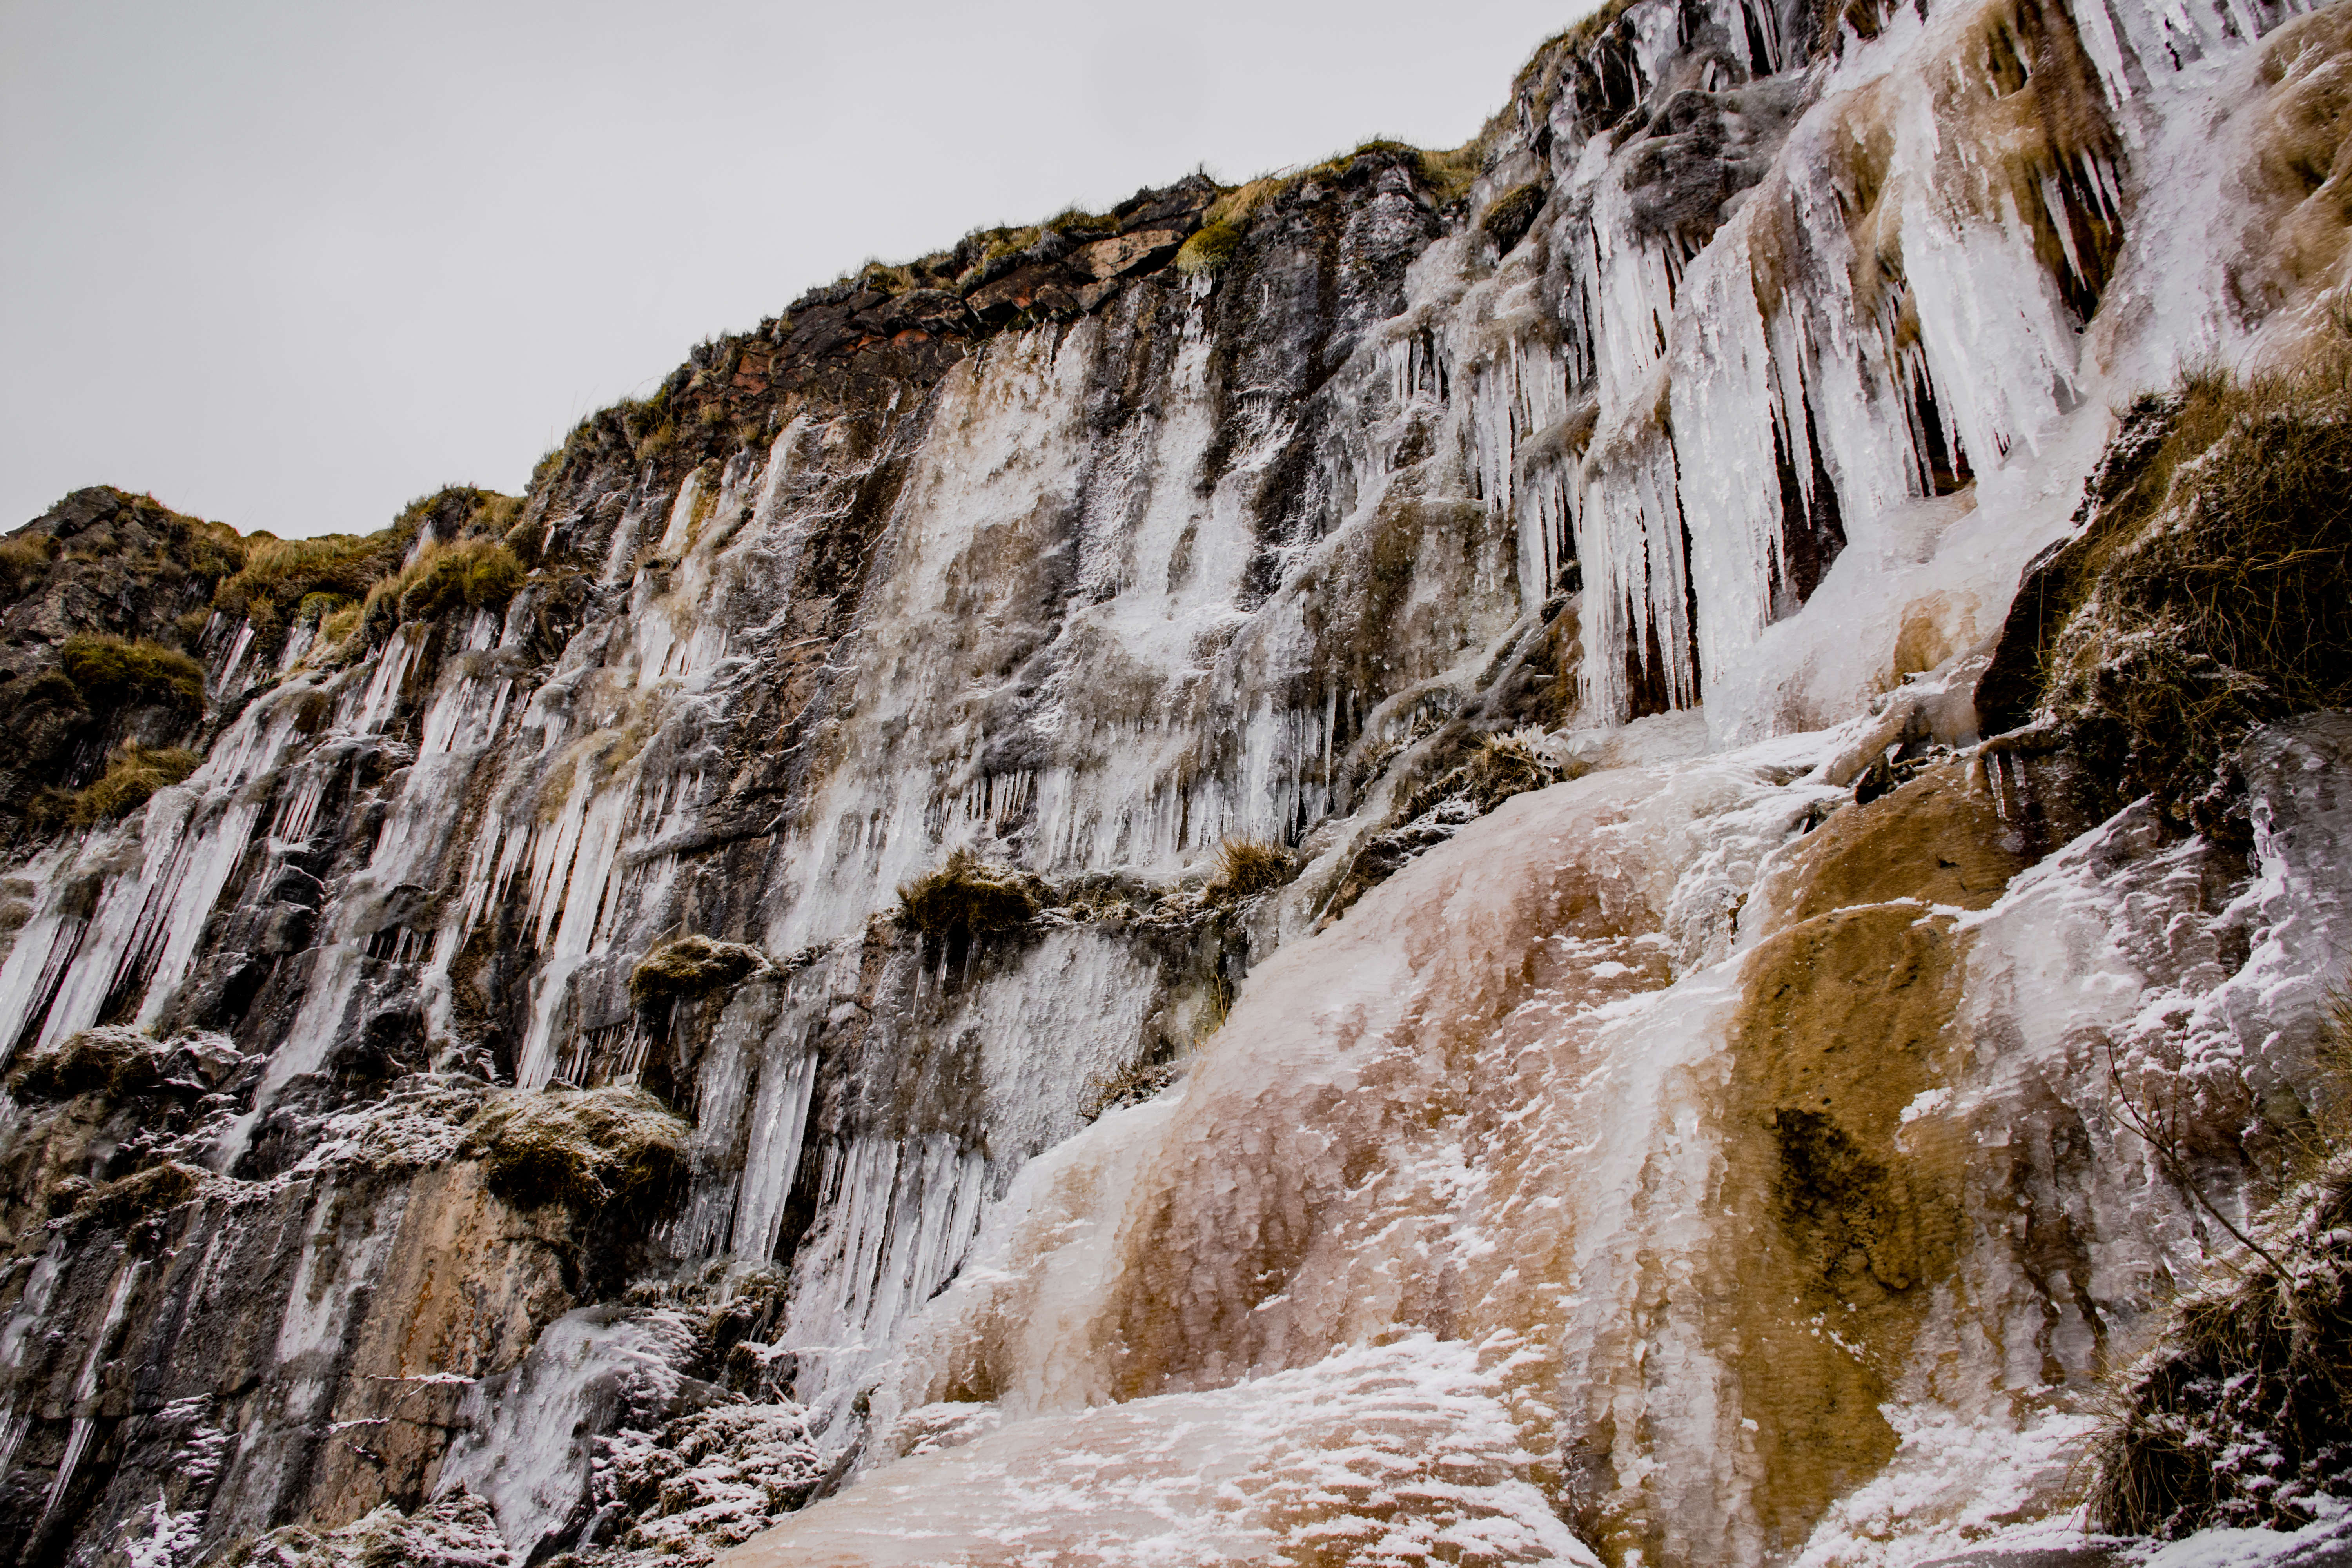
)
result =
(134, 1197)
(25, 563)
(108, 1060)
(285, 580)
(1131, 1086)
(1499, 767)
(968, 896)
(280, 574)
(693, 965)
(1223, 224)
(586, 1148)
(2213, 589)
(1246, 866)
(133, 776)
(2241, 1412)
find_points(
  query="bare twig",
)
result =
(2166, 1142)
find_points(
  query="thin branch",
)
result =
(2167, 1155)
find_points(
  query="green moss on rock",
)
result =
(116, 672)
(1209, 250)
(1508, 219)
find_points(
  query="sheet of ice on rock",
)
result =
(1390, 1454)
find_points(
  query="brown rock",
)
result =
(1014, 291)
(1938, 839)
(1043, 288)
(1125, 253)
(462, 1290)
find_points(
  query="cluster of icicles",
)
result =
(1418, 1250)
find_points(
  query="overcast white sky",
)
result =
(290, 265)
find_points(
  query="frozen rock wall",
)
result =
(1690, 1161)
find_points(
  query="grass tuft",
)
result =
(115, 672)
(2215, 583)
(133, 776)
(1106, 1092)
(1078, 225)
(25, 562)
(971, 898)
(1499, 767)
(2242, 1414)
(694, 966)
(585, 1148)
(339, 626)
(282, 575)
(1246, 866)
(1223, 224)
(479, 574)
(1449, 175)
(1209, 250)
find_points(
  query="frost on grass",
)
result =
(406, 1130)
(1108, 1091)
(1497, 768)
(2241, 1415)
(456, 1532)
(2210, 589)
(706, 1481)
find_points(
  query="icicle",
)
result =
(84, 1386)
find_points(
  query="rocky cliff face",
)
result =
(1297, 872)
